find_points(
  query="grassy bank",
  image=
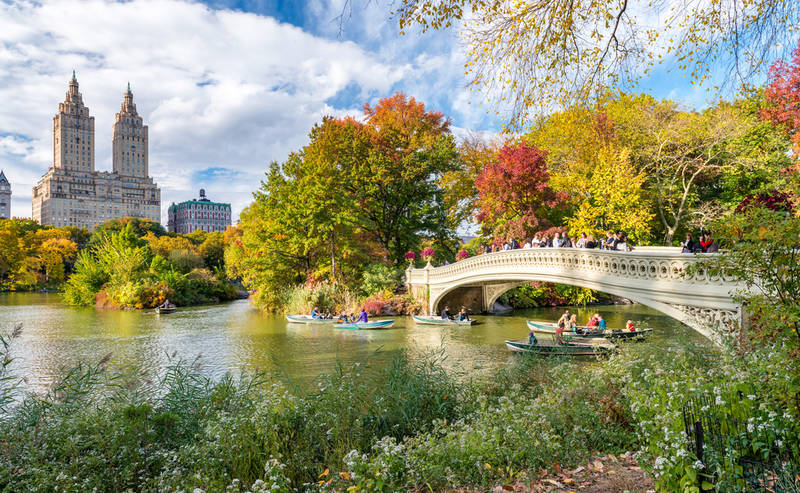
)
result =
(406, 425)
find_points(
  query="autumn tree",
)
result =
(396, 187)
(535, 55)
(783, 96)
(460, 194)
(360, 191)
(611, 197)
(55, 255)
(514, 194)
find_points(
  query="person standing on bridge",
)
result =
(557, 240)
(581, 241)
(608, 244)
(689, 245)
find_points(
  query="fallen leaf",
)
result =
(577, 470)
(598, 465)
(569, 480)
(554, 483)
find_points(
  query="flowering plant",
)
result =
(427, 254)
(410, 256)
(462, 255)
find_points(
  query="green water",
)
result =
(234, 336)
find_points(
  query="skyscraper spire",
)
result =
(129, 86)
(74, 79)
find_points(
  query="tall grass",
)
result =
(400, 425)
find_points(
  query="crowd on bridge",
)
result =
(614, 240)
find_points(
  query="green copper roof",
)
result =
(204, 202)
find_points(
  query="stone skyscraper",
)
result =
(130, 140)
(72, 193)
(5, 196)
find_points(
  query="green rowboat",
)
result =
(552, 348)
(378, 324)
(429, 320)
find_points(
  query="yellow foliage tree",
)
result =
(611, 197)
(54, 253)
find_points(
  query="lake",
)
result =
(234, 336)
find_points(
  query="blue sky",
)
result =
(225, 87)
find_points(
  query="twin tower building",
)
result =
(72, 193)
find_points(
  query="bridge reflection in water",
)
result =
(653, 276)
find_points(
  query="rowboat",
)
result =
(308, 319)
(588, 332)
(552, 348)
(422, 319)
(378, 324)
(163, 311)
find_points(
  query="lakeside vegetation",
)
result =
(123, 263)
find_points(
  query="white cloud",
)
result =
(219, 89)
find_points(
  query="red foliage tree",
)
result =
(514, 195)
(783, 95)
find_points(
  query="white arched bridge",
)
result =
(653, 276)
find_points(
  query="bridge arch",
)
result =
(654, 277)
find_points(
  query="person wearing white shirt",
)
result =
(556, 240)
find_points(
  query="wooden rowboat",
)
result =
(308, 319)
(588, 332)
(552, 348)
(164, 311)
(378, 324)
(429, 320)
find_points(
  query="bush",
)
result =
(379, 278)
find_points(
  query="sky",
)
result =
(226, 87)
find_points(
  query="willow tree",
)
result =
(539, 54)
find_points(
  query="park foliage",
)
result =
(123, 263)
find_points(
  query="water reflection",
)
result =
(234, 337)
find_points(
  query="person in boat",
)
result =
(593, 322)
(166, 304)
(573, 323)
(601, 324)
(462, 315)
(343, 317)
(630, 327)
(352, 318)
(315, 313)
(446, 313)
(559, 334)
(532, 341)
(363, 318)
(563, 322)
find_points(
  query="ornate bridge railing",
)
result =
(653, 276)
